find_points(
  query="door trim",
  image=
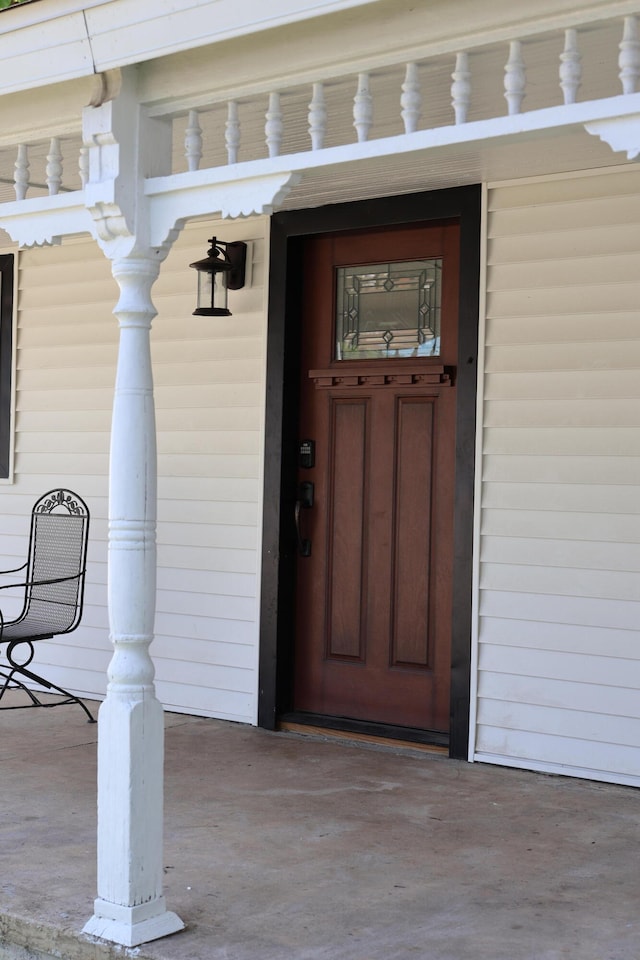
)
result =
(278, 542)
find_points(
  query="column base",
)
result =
(131, 926)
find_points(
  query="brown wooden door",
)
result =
(374, 597)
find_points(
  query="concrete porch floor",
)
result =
(283, 847)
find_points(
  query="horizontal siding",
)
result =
(209, 390)
(559, 551)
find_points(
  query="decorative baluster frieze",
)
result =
(629, 58)
(21, 168)
(411, 99)
(317, 117)
(274, 126)
(83, 165)
(54, 167)
(193, 141)
(363, 108)
(461, 88)
(232, 132)
(514, 78)
(570, 66)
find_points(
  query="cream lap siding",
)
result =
(209, 389)
(559, 561)
(209, 386)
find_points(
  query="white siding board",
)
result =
(578, 667)
(556, 525)
(201, 396)
(606, 498)
(561, 637)
(579, 275)
(538, 217)
(223, 559)
(567, 384)
(219, 489)
(619, 355)
(562, 580)
(549, 691)
(613, 412)
(577, 724)
(559, 243)
(221, 371)
(203, 630)
(209, 389)
(194, 441)
(553, 329)
(217, 583)
(549, 608)
(565, 190)
(573, 754)
(577, 554)
(207, 465)
(552, 470)
(559, 550)
(204, 701)
(241, 537)
(220, 512)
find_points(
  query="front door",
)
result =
(376, 476)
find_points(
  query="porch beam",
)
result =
(245, 177)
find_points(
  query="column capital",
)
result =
(125, 146)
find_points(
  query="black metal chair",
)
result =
(54, 589)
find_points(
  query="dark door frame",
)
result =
(283, 343)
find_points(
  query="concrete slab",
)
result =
(283, 847)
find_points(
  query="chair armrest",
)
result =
(40, 583)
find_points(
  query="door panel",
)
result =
(373, 605)
(412, 534)
(346, 529)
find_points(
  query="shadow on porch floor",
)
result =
(283, 847)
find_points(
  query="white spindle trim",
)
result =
(570, 66)
(363, 108)
(83, 165)
(274, 126)
(232, 132)
(193, 141)
(21, 168)
(629, 59)
(317, 117)
(54, 167)
(461, 87)
(514, 77)
(411, 99)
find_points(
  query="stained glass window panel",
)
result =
(388, 310)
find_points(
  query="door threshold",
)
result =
(361, 732)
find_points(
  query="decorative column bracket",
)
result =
(620, 133)
(172, 200)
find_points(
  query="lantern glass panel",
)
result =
(220, 290)
(205, 292)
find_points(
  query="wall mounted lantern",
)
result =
(223, 269)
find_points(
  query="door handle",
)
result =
(305, 500)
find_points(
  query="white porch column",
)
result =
(130, 908)
(134, 207)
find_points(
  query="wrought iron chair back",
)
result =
(53, 593)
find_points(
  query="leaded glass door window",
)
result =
(388, 310)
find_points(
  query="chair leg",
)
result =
(10, 681)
